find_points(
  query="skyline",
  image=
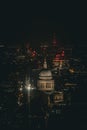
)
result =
(43, 86)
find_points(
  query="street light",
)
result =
(29, 87)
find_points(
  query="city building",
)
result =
(58, 96)
(45, 81)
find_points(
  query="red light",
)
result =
(57, 55)
(62, 53)
(33, 54)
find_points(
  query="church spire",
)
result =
(45, 64)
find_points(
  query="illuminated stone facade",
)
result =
(58, 97)
(45, 85)
(45, 81)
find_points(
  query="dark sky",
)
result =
(35, 22)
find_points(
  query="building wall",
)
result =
(45, 85)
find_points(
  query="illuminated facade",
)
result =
(59, 61)
(45, 81)
(58, 97)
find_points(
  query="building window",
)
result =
(48, 85)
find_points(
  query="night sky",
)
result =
(36, 22)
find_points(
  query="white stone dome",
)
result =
(45, 74)
(45, 82)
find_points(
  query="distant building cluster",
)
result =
(50, 64)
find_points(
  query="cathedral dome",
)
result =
(45, 74)
(45, 82)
